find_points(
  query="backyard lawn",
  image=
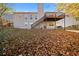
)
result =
(38, 42)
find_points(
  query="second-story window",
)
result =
(35, 16)
(26, 18)
(30, 16)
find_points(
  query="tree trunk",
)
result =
(1, 23)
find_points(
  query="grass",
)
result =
(38, 42)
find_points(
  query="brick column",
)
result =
(40, 10)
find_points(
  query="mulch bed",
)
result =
(38, 42)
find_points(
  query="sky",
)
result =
(32, 7)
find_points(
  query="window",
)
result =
(77, 18)
(26, 18)
(30, 16)
(35, 16)
(51, 24)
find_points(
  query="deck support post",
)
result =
(55, 21)
(64, 22)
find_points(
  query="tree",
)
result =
(69, 8)
(3, 9)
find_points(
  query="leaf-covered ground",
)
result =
(38, 42)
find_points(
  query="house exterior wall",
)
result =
(69, 20)
(24, 20)
(19, 21)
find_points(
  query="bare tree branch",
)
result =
(3, 12)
